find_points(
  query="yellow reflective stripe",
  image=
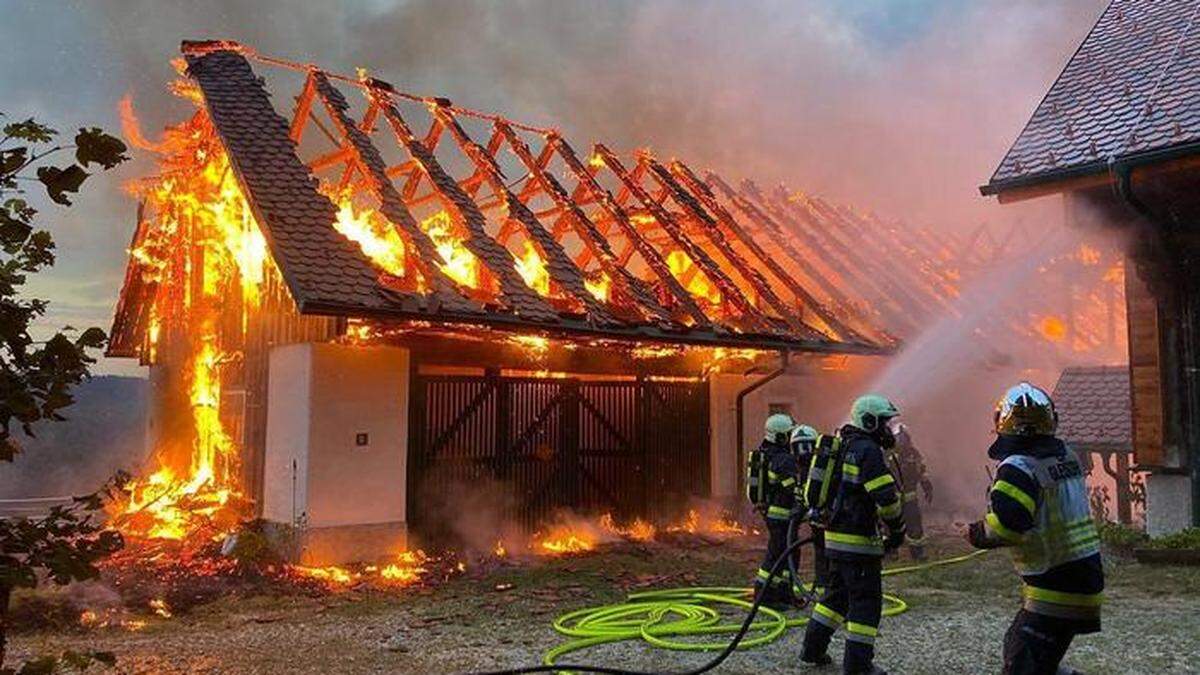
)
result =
(862, 629)
(1062, 597)
(828, 613)
(994, 524)
(778, 512)
(846, 538)
(1005, 487)
(881, 481)
(788, 482)
(849, 469)
(764, 574)
(772, 475)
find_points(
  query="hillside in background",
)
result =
(104, 432)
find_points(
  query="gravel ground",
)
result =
(955, 622)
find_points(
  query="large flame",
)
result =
(373, 233)
(201, 242)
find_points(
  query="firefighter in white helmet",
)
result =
(772, 487)
(1039, 509)
(804, 448)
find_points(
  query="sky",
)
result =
(900, 106)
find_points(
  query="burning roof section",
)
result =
(1131, 89)
(378, 204)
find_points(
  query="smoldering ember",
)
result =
(408, 372)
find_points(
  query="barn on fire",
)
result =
(360, 313)
(1118, 135)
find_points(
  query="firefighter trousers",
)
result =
(914, 525)
(779, 590)
(853, 599)
(820, 562)
(1033, 647)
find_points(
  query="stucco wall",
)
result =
(1168, 503)
(796, 391)
(322, 398)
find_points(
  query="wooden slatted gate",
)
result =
(632, 448)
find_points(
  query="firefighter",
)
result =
(804, 447)
(776, 501)
(1038, 507)
(909, 468)
(864, 493)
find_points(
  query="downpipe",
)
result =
(740, 414)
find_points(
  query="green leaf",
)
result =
(59, 182)
(29, 130)
(93, 145)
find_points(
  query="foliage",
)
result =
(1183, 539)
(36, 377)
(1120, 538)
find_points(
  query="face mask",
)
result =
(886, 436)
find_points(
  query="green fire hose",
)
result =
(674, 618)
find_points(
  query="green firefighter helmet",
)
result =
(872, 411)
(1026, 410)
(779, 428)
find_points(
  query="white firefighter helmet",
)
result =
(779, 428)
(1025, 410)
(803, 433)
(804, 439)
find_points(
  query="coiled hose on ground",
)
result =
(674, 618)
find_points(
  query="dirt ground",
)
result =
(500, 617)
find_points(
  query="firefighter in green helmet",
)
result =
(1038, 507)
(772, 487)
(863, 492)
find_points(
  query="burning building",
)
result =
(358, 314)
(1118, 135)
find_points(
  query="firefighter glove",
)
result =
(894, 539)
(977, 536)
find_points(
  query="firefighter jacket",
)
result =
(909, 465)
(1038, 507)
(863, 492)
(783, 485)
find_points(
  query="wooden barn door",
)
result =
(540, 445)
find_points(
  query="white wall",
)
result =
(1168, 503)
(321, 397)
(724, 462)
(285, 462)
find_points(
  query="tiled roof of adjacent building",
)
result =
(1093, 407)
(1132, 88)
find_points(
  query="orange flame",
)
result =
(1052, 328)
(638, 530)
(599, 285)
(533, 270)
(683, 269)
(373, 233)
(564, 539)
(458, 262)
(200, 214)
